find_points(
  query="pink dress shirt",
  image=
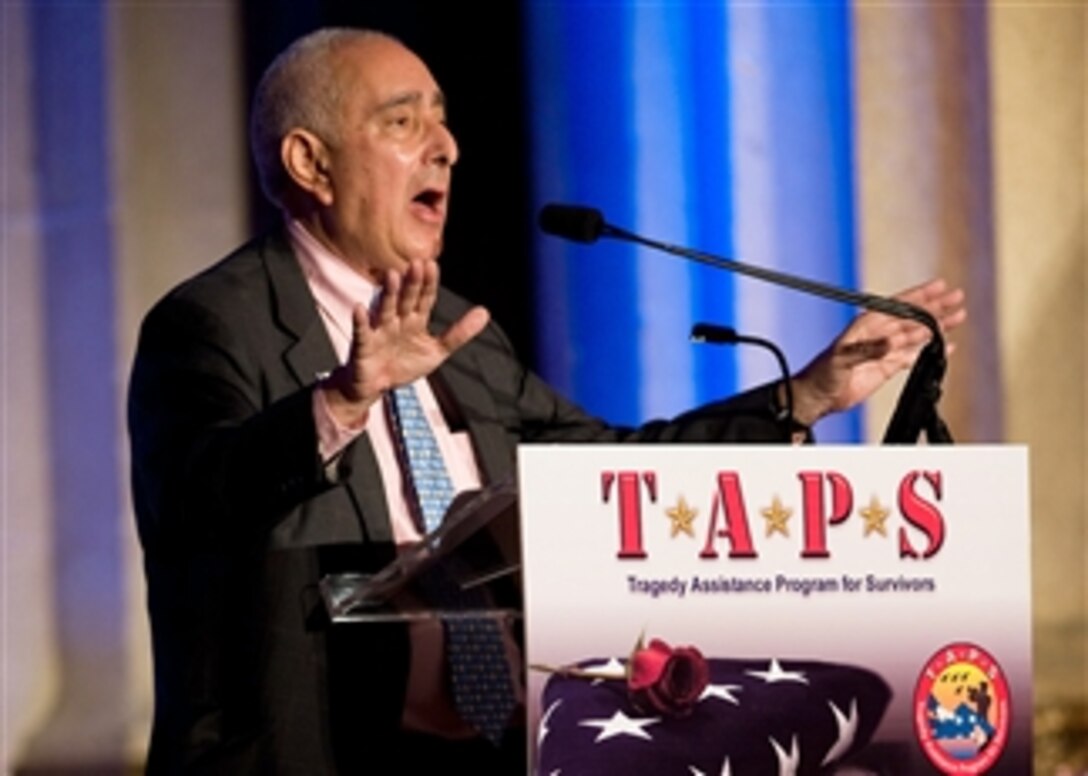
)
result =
(337, 288)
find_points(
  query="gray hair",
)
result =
(298, 90)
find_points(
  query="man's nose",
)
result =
(445, 150)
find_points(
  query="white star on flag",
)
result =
(787, 764)
(776, 674)
(613, 668)
(544, 722)
(727, 770)
(786, 730)
(619, 724)
(848, 728)
(722, 691)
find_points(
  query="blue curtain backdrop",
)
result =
(722, 126)
(74, 197)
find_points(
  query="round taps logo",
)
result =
(961, 709)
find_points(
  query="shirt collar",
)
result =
(335, 285)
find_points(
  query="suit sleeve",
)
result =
(533, 412)
(213, 456)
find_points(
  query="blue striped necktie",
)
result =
(431, 483)
(475, 652)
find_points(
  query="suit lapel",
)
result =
(477, 408)
(310, 357)
(459, 380)
(295, 311)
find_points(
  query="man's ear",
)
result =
(305, 157)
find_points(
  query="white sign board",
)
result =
(895, 581)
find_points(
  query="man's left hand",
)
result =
(872, 349)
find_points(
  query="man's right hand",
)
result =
(392, 346)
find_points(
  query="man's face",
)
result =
(390, 164)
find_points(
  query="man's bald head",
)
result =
(300, 89)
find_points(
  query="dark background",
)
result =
(474, 51)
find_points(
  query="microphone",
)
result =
(713, 334)
(572, 222)
(916, 410)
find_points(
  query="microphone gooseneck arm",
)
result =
(881, 304)
(726, 335)
(916, 409)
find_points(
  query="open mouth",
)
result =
(431, 199)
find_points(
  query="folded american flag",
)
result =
(755, 718)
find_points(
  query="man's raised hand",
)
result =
(872, 349)
(392, 346)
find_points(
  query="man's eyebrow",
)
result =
(438, 100)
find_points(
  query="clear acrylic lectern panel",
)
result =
(390, 595)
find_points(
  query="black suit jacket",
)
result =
(239, 519)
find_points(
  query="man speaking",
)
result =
(281, 402)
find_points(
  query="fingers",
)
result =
(360, 329)
(951, 311)
(468, 326)
(428, 292)
(412, 293)
(913, 335)
(389, 302)
(923, 293)
(420, 289)
(408, 298)
(944, 303)
(348, 382)
(391, 344)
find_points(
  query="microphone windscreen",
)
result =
(714, 334)
(572, 222)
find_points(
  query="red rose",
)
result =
(666, 680)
